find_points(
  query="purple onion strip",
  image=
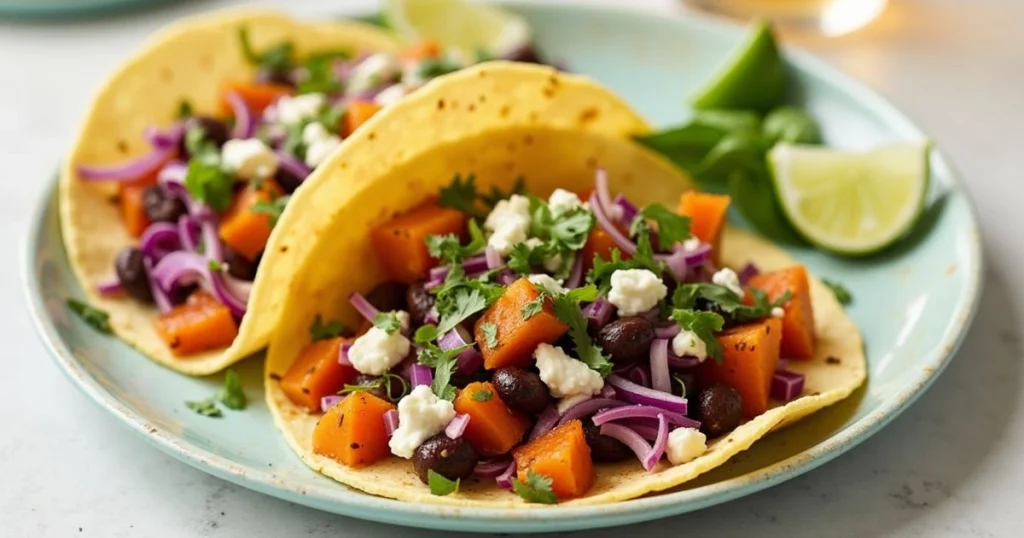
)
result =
(457, 426)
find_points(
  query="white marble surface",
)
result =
(950, 466)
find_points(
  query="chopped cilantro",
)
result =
(278, 58)
(274, 208)
(567, 310)
(384, 382)
(208, 184)
(320, 330)
(215, 265)
(92, 316)
(536, 489)
(447, 247)
(232, 395)
(490, 331)
(482, 395)
(443, 377)
(842, 294)
(387, 322)
(682, 384)
(533, 307)
(566, 232)
(521, 259)
(672, 227)
(426, 333)
(200, 146)
(207, 408)
(496, 195)
(441, 485)
(460, 194)
(459, 297)
(686, 295)
(184, 109)
(431, 355)
(704, 325)
(601, 272)
(318, 73)
(436, 67)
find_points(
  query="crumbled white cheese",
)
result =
(421, 415)
(509, 223)
(412, 75)
(778, 312)
(319, 143)
(566, 404)
(685, 444)
(692, 244)
(729, 279)
(377, 351)
(291, 110)
(688, 344)
(562, 201)
(554, 263)
(564, 375)
(249, 158)
(375, 70)
(547, 282)
(635, 291)
(391, 95)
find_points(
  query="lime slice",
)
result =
(469, 28)
(851, 202)
(754, 76)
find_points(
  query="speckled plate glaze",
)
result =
(913, 303)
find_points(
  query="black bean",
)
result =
(521, 390)
(394, 386)
(719, 409)
(627, 340)
(705, 305)
(287, 180)
(274, 76)
(603, 448)
(419, 302)
(239, 266)
(180, 293)
(213, 129)
(451, 458)
(162, 206)
(388, 297)
(131, 272)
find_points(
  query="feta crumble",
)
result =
(249, 158)
(319, 143)
(635, 291)
(685, 445)
(377, 351)
(778, 312)
(291, 110)
(688, 344)
(375, 70)
(564, 375)
(692, 244)
(547, 282)
(509, 223)
(391, 95)
(729, 279)
(421, 415)
(562, 201)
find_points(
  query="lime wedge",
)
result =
(753, 77)
(468, 27)
(851, 202)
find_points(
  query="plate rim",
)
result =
(339, 499)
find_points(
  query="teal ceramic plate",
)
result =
(913, 303)
(68, 9)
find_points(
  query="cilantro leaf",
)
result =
(92, 316)
(672, 227)
(490, 331)
(232, 395)
(278, 58)
(441, 386)
(460, 194)
(208, 184)
(199, 145)
(643, 257)
(842, 294)
(686, 295)
(387, 322)
(536, 489)
(567, 310)
(207, 408)
(533, 307)
(482, 395)
(425, 334)
(440, 484)
(571, 229)
(705, 325)
(318, 73)
(601, 271)
(496, 195)
(184, 109)
(447, 247)
(320, 330)
(385, 382)
(431, 355)
(435, 67)
(520, 259)
(274, 208)
(458, 298)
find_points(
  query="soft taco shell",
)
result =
(386, 169)
(188, 60)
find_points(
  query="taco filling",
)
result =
(521, 339)
(204, 200)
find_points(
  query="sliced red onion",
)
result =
(545, 422)
(470, 360)
(624, 243)
(493, 258)
(781, 365)
(642, 411)
(506, 278)
(431, 284)
(682, 363)
(658, 450)
(292, 165)
(330, 401)
(168, 139)
(491, 468)
(245, 122)
(457, 426)
(212, 247)
(628, 437)
(631, 392)
(639, 375)
(188, 232)
(469, 363)
(629, 211)
(588, 407)
(660, 379)
(604, 197)
(432, 317)
(676, 263)
(182, 267)
(576, 274)
(786, 385)
(391, 421)
(607, 391)
(649, 433)
(699, 256)
(668, 331)
(420, 374)
(476, 264)
(111, 286)
(599, 312)
(504, 480)
(127, 171)
(749, 271)
(438, 273)
(160, 297)
(363, 306)
(343, 354)
(159, 239)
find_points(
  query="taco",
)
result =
(498, 309)
(188, 158)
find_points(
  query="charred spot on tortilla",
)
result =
(504, 112)
(591, 162)
(283, 249)
(122, 146)
(588, 114)
(471, 107)
(528, 139)
(371, 136)
(482, 98)
(548, 92)
(166, 75)
(440, 104)
(832, 359)
(275, 376)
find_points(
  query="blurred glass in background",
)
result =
(829, 17)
